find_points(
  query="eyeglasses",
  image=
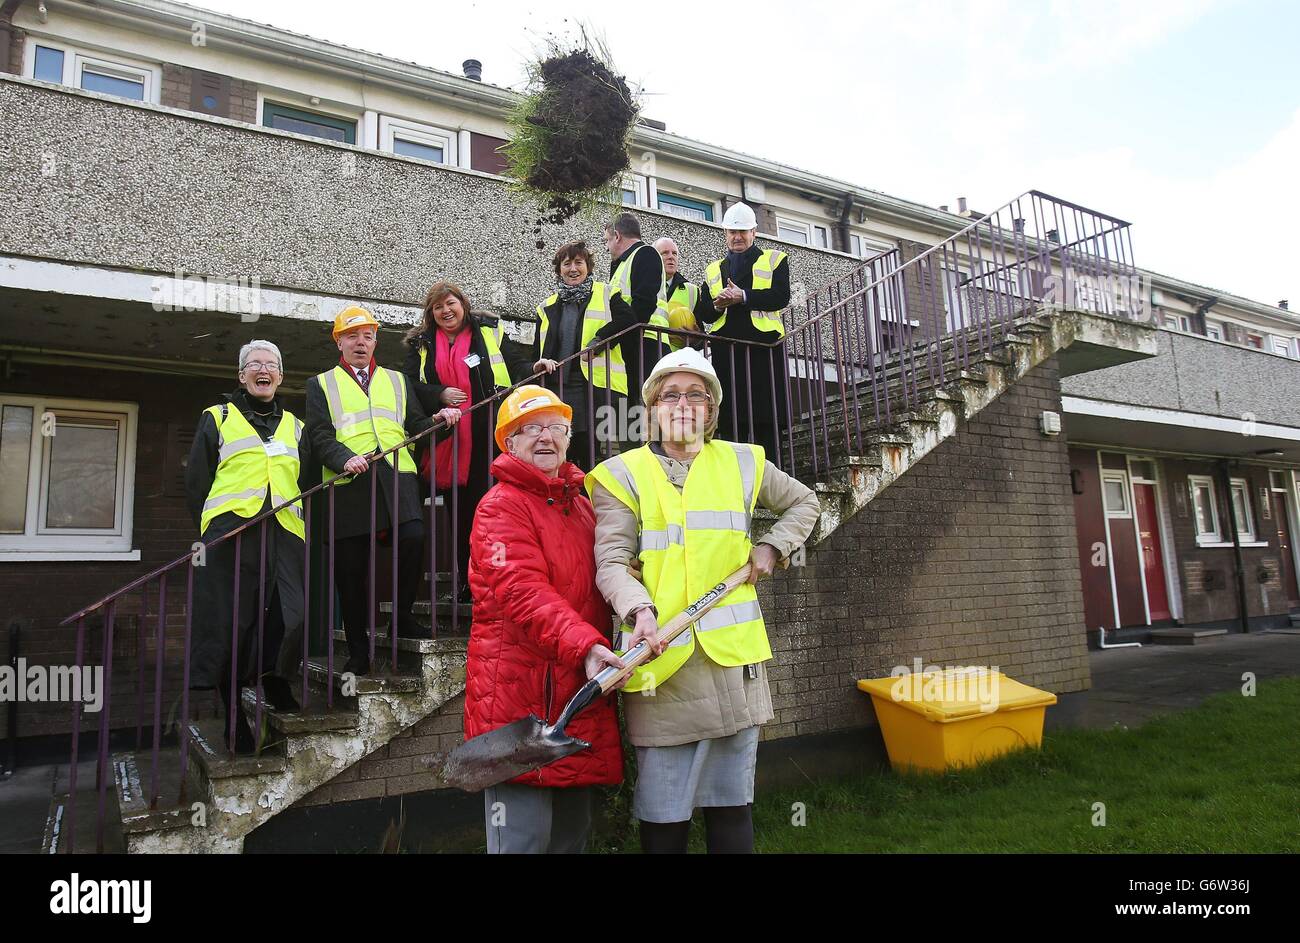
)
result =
(694, 397)
(533, 429)
(258, 366)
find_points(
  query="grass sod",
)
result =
(1224, 777)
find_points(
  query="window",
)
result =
(1213, 331)
(412, 139)
(685, 207)
(1255, 340)
(1114, 490)
(1206, 512)
(1179, 322)
(1282, 345)
(634, 190)
(1241, 513)
(808, 234)
(286, 118)
(67, 479)
(67, 65)
(864, 247)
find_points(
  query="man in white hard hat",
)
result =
(688, 496)
(741, 299)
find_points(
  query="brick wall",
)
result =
(39, 594)
(234, 98)
(969, 558)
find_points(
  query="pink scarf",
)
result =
(449, 359)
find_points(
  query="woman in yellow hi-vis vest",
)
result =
(682, 506)
(249, 455)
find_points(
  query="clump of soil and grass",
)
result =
(570, 132)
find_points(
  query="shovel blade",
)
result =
(507, 752)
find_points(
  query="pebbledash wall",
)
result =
(108, 182)
(969, 558)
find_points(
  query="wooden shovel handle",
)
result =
(640, 653)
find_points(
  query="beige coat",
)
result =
(703, 700)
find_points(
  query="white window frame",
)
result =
(672, 191)
(1205, 538)
(867, 247)
(1182, 322)
(1243, 486)
(390, 129)
(75, 60)
(1214, 330)
(1120, 476)
(1284, 343)
(640, 187)
(810, 229)
(37, 543)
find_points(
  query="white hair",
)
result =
(260, 345)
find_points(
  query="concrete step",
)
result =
(379, 681)
(1185, 636)
(213, 760)
(58, 839)
(316, 719)
(133, 781)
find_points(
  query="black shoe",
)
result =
(358, 665)
(279, 694)
(409, 627)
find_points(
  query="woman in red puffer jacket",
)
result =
(541, 628)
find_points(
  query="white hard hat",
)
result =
(690, 360)
(739, 216)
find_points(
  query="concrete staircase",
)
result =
(236, 795)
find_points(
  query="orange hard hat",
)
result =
(518, 405)
(353, 317)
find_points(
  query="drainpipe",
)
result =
(846, 211)
(1226, 486)
(7, 11)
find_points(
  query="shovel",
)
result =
(529, 744)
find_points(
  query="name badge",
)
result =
(473, 360)
(275, 447)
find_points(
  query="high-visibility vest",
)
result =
(621, 284)
(687, 295)
(500, 375)
(367, 423)
(607, 369)
(247, 467)
(689, 542)
(764, 266)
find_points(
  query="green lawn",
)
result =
(1224, 777)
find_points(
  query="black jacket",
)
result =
(201, 469)
(428, 388)
(352, 500)
(739, 324)
(647, 276)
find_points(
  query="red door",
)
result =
(1153, 558)
(1284, 548)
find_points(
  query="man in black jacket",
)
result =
(732, 306)
(357, 336)
(643, 302)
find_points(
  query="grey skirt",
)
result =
(672, 782)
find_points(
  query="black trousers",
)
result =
(352, 579)
(727, 830)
